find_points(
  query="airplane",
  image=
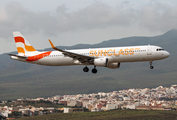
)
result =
(109, 57)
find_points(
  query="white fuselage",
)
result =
(114, 54)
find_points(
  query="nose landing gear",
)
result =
(151, 67)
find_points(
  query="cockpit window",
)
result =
(160, 50)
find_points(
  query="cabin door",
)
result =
(149, 50)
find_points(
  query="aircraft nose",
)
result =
(167, 54)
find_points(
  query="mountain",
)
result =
(17, 78)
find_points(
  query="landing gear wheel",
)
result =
(151, 67)
(85, 69)
(94, 70)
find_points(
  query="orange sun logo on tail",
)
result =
(23, 46)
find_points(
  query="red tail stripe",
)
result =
(37, 57)
(19, 39)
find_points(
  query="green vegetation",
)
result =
(110, 115)
(40, 103)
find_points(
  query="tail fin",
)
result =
(23, 46)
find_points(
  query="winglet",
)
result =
(52, 44)
(55, 47)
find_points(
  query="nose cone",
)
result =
(167, 54)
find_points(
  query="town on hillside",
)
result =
(160, 98)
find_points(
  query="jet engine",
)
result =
(102, 62)
(113, 65)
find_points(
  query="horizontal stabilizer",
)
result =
(24, 57)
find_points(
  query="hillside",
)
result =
(17, 78)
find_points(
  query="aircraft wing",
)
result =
(75, 56)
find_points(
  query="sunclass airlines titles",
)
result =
(112, 52)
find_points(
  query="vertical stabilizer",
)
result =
(23, 46)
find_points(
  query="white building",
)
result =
(126, 98)
(95, 110)
(5, 111)
(131, 106)
(68, 110)
(111, 106)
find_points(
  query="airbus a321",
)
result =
(109, 57)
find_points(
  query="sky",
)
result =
(71, 22)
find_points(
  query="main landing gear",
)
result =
(94, 70)
(151, 67)
(86, 69)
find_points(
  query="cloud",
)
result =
(154, 17)
(158, 17)
(16, 17)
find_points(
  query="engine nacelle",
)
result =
(102, 62)
(113, 65)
